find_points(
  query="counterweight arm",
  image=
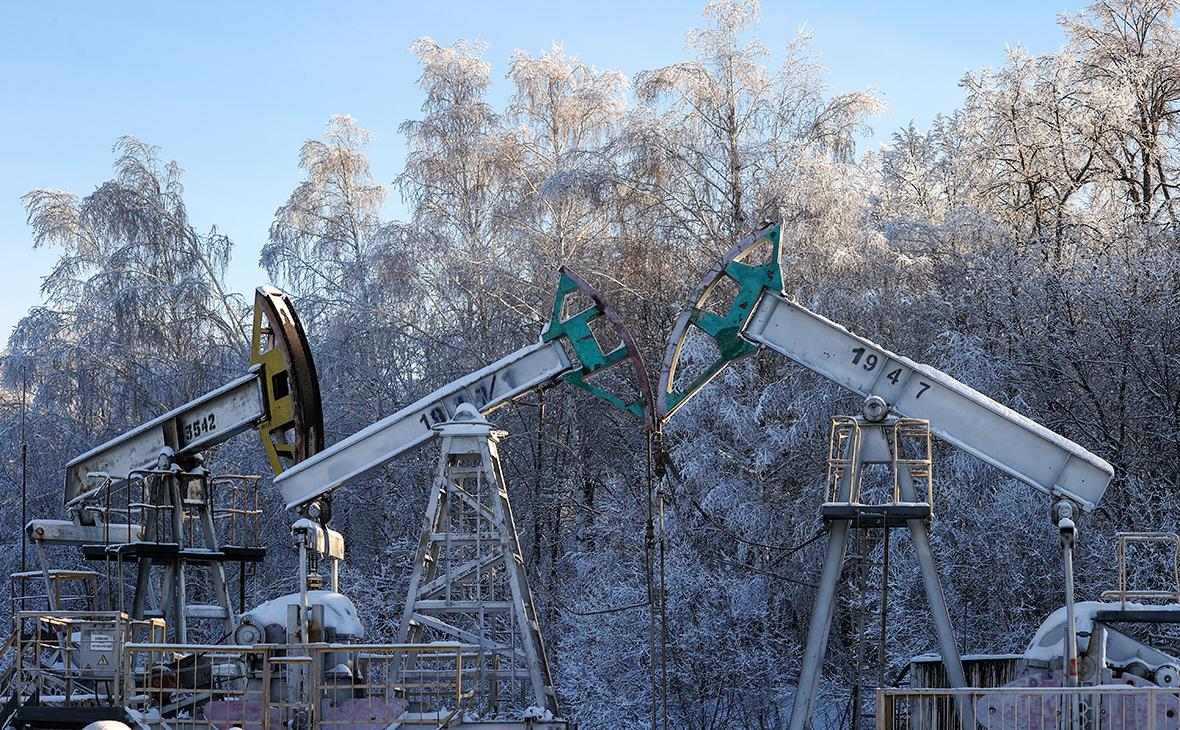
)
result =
(279, 397)
(761, 316)
(568, 351)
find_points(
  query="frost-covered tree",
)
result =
(1024, 243)
(1084, 136)
(351, 275)
(567, 112)
(136, 317)
(325, 238)
(721, 125)
(1039, 128)
(461, 172)
(1042, 267)
(1129, 51)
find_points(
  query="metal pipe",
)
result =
(1068, 531)
(303, 586)
(1071, 636)
(821, 622)
(24, 476)
(882, 657)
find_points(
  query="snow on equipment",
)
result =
(468, 583)
(568, 351)
(279, 397)
(762, 316)
(138, 497)
(144, 499)
(905, 402)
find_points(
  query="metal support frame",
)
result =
(469, 581)
(863, 442)
(171, 504)
(1124, 592)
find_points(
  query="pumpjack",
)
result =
(146, 499)
(468, 583)
(904, 402)
(470, 647)
(155, 473)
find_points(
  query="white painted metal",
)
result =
(67, 532)
(189, 429)
(872, 448)
(324, 540)
(1070, 668)
(476, 591)
(1048, 650)
(493, 386)
(205, 610)
(939, 614)
(820, 625)
(961, 415)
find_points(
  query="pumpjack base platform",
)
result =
(873, 516)
(171, 551)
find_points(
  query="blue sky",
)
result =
(231, 90)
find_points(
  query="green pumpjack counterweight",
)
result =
(725, 329)
(588, 350)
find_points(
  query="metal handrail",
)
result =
(1123, 593)
(844, 439)
(1104, 707)
(920, 467)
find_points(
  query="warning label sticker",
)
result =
(102, 641)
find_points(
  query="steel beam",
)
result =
(957, 413)
(193, 427)
(486, 389)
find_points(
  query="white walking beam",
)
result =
(493, 386)
(957, 413)
(760, 315)
(193, 427)
(569, 350)
(279, 397)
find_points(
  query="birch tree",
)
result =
(136, 317)
(352, 275)
(718, 125)
(325, 239)
(461, 172)
(1131, 50)
(567, 113)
